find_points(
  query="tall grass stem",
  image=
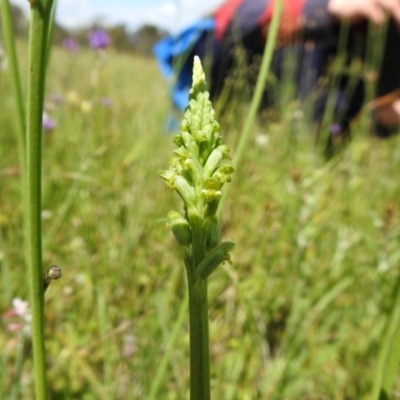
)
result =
(50, 31)
(8, 33)
(19, 363)
(162, 369)
(260, 84)
(258, 92)
(5, 272)
(389, 354)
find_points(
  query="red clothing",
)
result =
(297, 16)
(224, 15)
(290, 19)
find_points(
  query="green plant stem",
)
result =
(5, 271)
(329, 112)
(19, 362)
(389, 354)
(9, 41)
(50, 31)
(8, 33)
(260, 84)
(259, 89)
(199, 341)
(198, 319)
(38, 35)
(162, 369)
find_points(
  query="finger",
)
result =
(392, 7)
(374, 12)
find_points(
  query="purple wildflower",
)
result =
(335, 129)
(71, 45)
(48, 123)
(57, 98)
(106, 101)
(99, 39)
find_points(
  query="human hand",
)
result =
(373, 10)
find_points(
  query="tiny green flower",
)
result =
(180, 228)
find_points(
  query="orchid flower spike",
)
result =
(201, 166)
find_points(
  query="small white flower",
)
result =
(46, 214)
(298, 114)
(262, 140)
(20, 307)
(19, 318)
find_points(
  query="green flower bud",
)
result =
(211, 232)
(178, 140)
(221, 152)
(199, 78)
(180, 169)
(185, 190)
(201, 135)
(180, 228)
(187, 138)
(212, 183)
(194, 149)
(54, 272)
(169, 177)
(223, 173)
(196, 171)
(211, 190)
(211, 195)
(214, 258)
(182, 153)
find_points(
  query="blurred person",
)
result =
(310, 30)
(388, 87)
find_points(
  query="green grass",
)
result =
(299, 314)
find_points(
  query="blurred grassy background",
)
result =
(299, 314)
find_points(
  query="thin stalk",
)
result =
(19, 362)
(389, 354)
(374, 56)
(329, 112)
(50, 31)
(102, 318)
(392, 366)
(162, 369)
(198, 319)
(260, 84)
(258, 92)
(5, 272)
(199, 341)
(38, 35)
(8, 33)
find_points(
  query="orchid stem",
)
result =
(199, 341)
